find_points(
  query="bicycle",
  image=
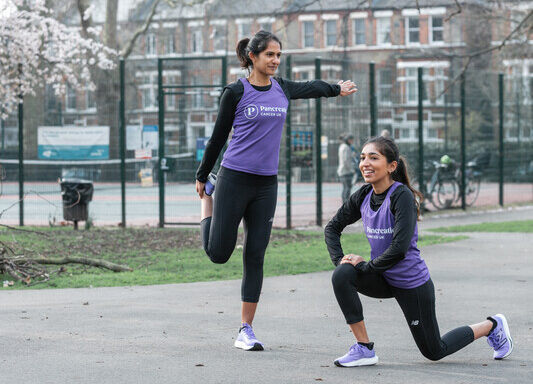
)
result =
(443, 188)
(445, 184)
(473, 180)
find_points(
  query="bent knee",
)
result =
(433, 356)
(342, 275)
(219, 257)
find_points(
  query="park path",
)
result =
(183, 333)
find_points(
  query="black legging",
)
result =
(417, 304)
(238, 196)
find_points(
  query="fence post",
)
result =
(122, 133)
(463, 142)
(500, 162)
(421, 183)
(318, 147)
(161, 151)
(288, 152)
(21, 156)
(373, 106)
(3, 134)
(224, 77)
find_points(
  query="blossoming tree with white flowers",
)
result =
(36, 49)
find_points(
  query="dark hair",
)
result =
(388, 148)
(256, 45)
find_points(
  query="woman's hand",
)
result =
(200, 187)
(348, 87)
(352, 259)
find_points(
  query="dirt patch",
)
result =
(118, 243)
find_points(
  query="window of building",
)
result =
(196, 40)
(308, 28)
(171, 99)
(530, 82)
(266, 27)
(70, 98)
(383, 27)
(432, 133)
(330, 27)
(219, 38)
(169, 44)
(245, 29)
(51, 98)
(437, 29)
(439, 85)
(90, 100)
(412, 30)
(196, 93)
(147, 98)
(148, 92)
(384, 85)
(359, 35)
(150, 45)
(405, 133)
(411, 85)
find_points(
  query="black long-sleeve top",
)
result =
(232, 94)
(402, 206)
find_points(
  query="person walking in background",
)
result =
(346, 168)
(389, 208)
(246, 186)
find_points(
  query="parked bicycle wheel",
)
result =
(472, 190)
(446, 194)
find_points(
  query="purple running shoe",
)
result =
(246, 339)
(210, 184)
(357, 356)
(500, 338)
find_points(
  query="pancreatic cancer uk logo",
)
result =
(251, 111)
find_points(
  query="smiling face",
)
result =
(375, 168)
(267, 61)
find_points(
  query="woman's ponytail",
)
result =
(401, 174)
(242, 53)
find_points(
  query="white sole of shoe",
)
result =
(506, 328)
(359, 363)
(242, 345)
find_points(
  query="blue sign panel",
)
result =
(73, 143)
(201, 142)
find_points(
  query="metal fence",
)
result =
(159, 114)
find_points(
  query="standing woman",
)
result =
(389, 207)
(246, 187)
(346, 168)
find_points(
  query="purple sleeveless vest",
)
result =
(257, 127)
(412, 271)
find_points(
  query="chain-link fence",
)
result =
(143, 164)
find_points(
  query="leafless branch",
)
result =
(79, 260)
(506, 40)
(131, 43)
(470, 57)
(456, 12)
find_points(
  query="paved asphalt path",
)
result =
(183, 333)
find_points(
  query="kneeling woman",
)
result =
(389, 207)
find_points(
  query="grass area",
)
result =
(160, 256)
(525, 226)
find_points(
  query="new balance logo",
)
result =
(414, 322)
